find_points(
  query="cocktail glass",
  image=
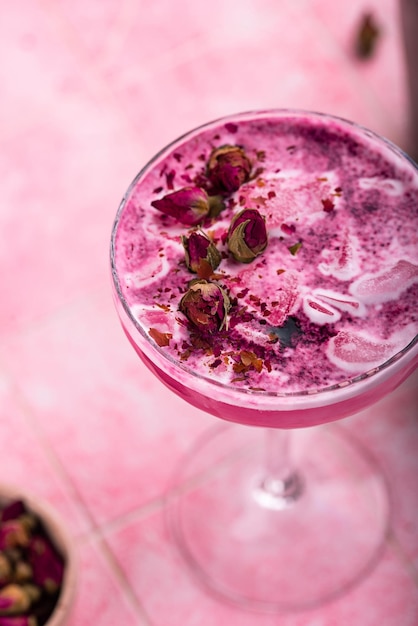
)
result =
(268, 512)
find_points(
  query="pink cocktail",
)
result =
(310, 323)
(327, 308)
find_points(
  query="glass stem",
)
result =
(281, 484)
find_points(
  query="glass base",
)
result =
(320, 536)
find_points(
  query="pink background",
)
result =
(89, 90)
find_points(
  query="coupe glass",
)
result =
(268, 513)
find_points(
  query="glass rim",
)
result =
(243, 391)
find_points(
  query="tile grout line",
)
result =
(133, 516)
(406, 562)
(122, 579)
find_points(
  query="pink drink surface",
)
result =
(333, 296)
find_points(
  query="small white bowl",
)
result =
(57, 532)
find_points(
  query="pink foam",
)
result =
(386, 285)
(356, 352)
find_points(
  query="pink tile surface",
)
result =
(100, 597)
(152, 564)
(391, 433)
(57, 151)
(90, 89)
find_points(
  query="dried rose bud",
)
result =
(228, 168)
(15, 599)
(201, 254)
(5, 569)
(29, 520)
(18, 620)
(22, 572)
(14, 533)
(14, 555)
(46, 563)
(247, 235)
(216, 205)
(367, 37)
(189, 205)
(206, 305)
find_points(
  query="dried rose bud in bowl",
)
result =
(37, 562)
